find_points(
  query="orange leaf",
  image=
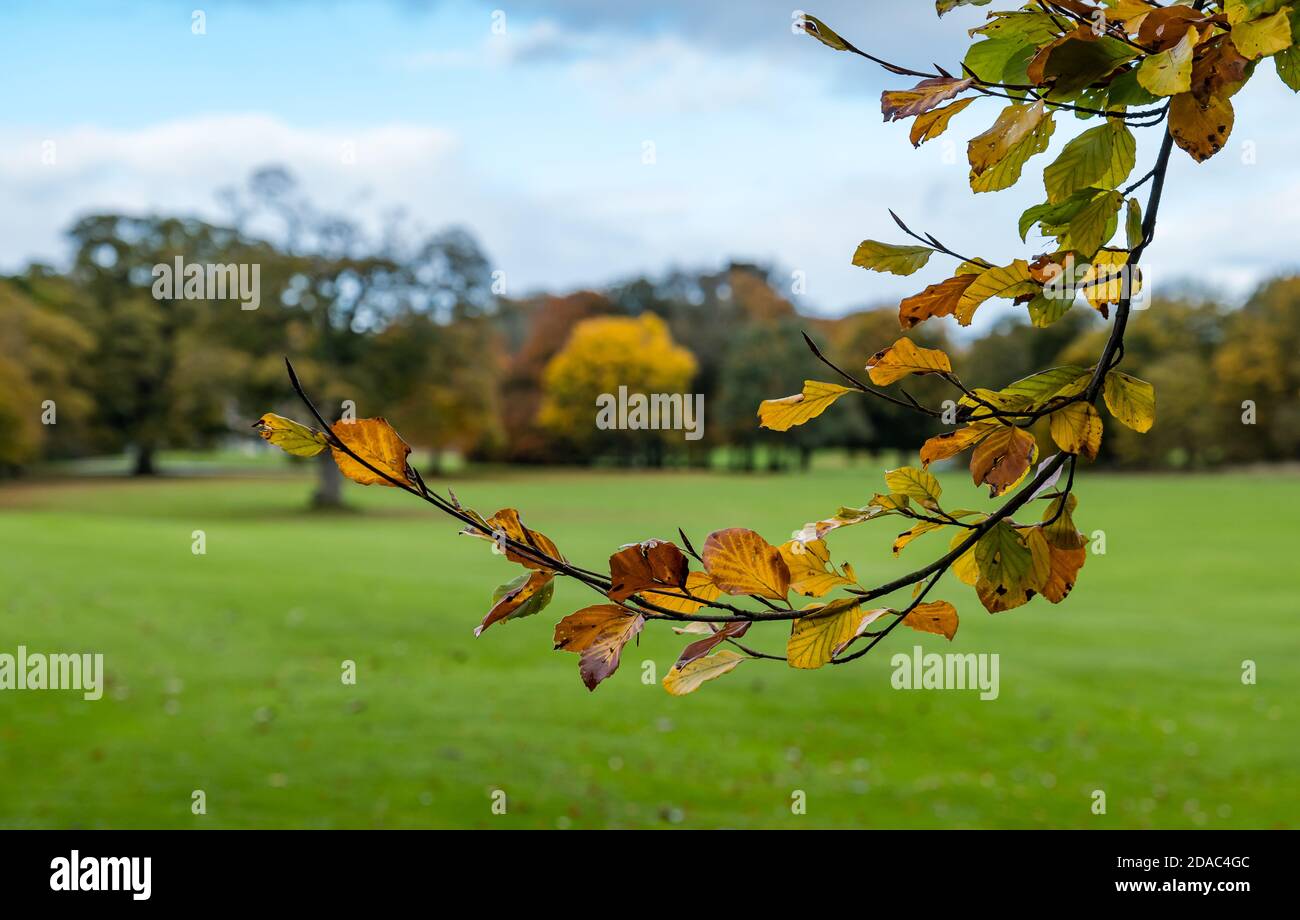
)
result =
(374, 441)
(598, 635)
(939, 617)
(508, 523)
(926, 95)
(937, 300)
(943, 446)
(903, 358)
(742, 562)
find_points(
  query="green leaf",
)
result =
(1095, 223)
(947, 6)
(1133, 223)
(1006, 172)
(1288, 67)
(1055, 215)
(1031, 26)
(990, 59)
(823, 33)
(1044, 310)
(1101, 157)
(917, 484)
(885, 257)
(1125, 90)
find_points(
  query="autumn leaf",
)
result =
(1103, 282)
(1263, 37)
(811, 572)
(742, 562)
(938, 617)
(818, 637)
(688, 679)
(915, 484)
(931, 124)
(966, 566)
(1170, 72)
(951, 443)
(290, 436)
(1130, 400)
(507, 522)
(936, 300)
(926, 95)
(698, 584)
(1015, 123)
(887, 257)
(652, 564)
(713, 638)
(1003, 458)
(518, 598)
(1063, 571)
(783, 414)
(1009, 281)
(597, 634)
(905, 357)
(1200, 127)
(1076, 429)
(1012, 568)
(375, 442)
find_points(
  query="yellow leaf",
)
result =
(917, 484)
(809, 565)
(1009, 281)
(1170, 72)
(290, 436)
(939, 617)
(931, 124)
(943, 446)
(1263, 37)
(1201, 128)
(742, 562)
(966, 567)
(783, 414)
(1076, 429)
(1014, 124)
(816, 638)
(698, 585)
(375, 441)
(681, 681)
(1003, 458)
(508, 523)
(1130, 400)
(903, 358)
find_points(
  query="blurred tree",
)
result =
(602, 356)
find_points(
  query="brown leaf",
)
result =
(375, 441)
(512, 600)
(937, 300)
(1002, 459)
(702, 647)
(742, 562)
(652, 564)
(598, 635)
(926, 95)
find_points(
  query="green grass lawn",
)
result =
(224, 669)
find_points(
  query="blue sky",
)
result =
(766, 145)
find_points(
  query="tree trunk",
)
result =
(144, 465)
(329, 483)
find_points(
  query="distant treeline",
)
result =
(412, 329)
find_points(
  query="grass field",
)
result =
(224, 668)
